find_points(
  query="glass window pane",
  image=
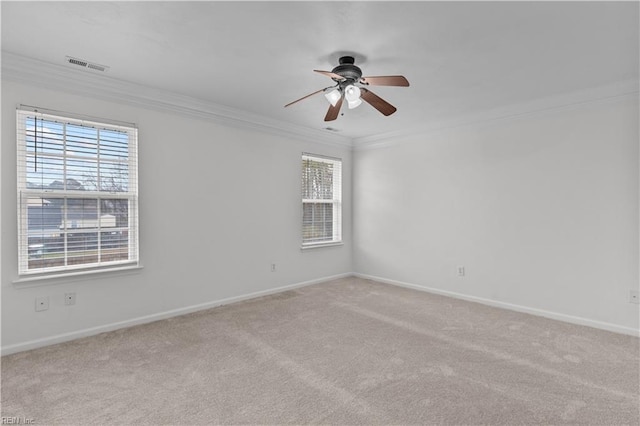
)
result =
(82, 175)
(39, 260)
(44, 214)
(114, 176)
(114, 246)
(317, 222)
(82, 247)
(81, 141)
(45, 241)
(44, 172)
(44, 136)
(114, 145)
(114, 213)
(82, 214)
(317, 180)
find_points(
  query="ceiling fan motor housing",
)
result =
(348, 70)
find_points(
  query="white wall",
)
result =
(541, 210)
(218, 205)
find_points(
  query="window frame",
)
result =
(335, 202)
(96, 195)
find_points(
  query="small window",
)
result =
(77, 194)
(321, 200)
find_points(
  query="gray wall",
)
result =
(218, 205)
(541, 210)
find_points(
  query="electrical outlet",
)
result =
(273, 267)
(69, 298)
(42, 303)
(460, 270)
(634, 296)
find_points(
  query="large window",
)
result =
(321, 200)
(77, 194)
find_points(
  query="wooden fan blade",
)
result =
(333, 112)
(330, 74)
(377, 102)
(386, 80)
(304, 97)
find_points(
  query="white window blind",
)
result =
(77, 193)
(321, 200)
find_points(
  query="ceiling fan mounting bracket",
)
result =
(347, 60)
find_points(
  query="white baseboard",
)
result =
(518, 308)
(65, 337)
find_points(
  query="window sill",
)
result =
(25, 281)
(319, 245)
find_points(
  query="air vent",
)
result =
(77, 62)
(86, 64)
(97, 67)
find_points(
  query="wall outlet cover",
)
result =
(42, 303)
(69, 298)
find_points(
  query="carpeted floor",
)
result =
(349, 351)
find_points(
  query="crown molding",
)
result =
(627, 89)
(31, 71)
(58, 77)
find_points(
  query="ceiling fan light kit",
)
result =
(353, 104)
(350, 86)
(333, 96)
(352, 95)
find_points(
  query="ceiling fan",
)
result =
(351, 86)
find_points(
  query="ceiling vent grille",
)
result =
(86, 64)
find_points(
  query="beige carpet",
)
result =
(349, 351)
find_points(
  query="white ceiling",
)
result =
(460, 57)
